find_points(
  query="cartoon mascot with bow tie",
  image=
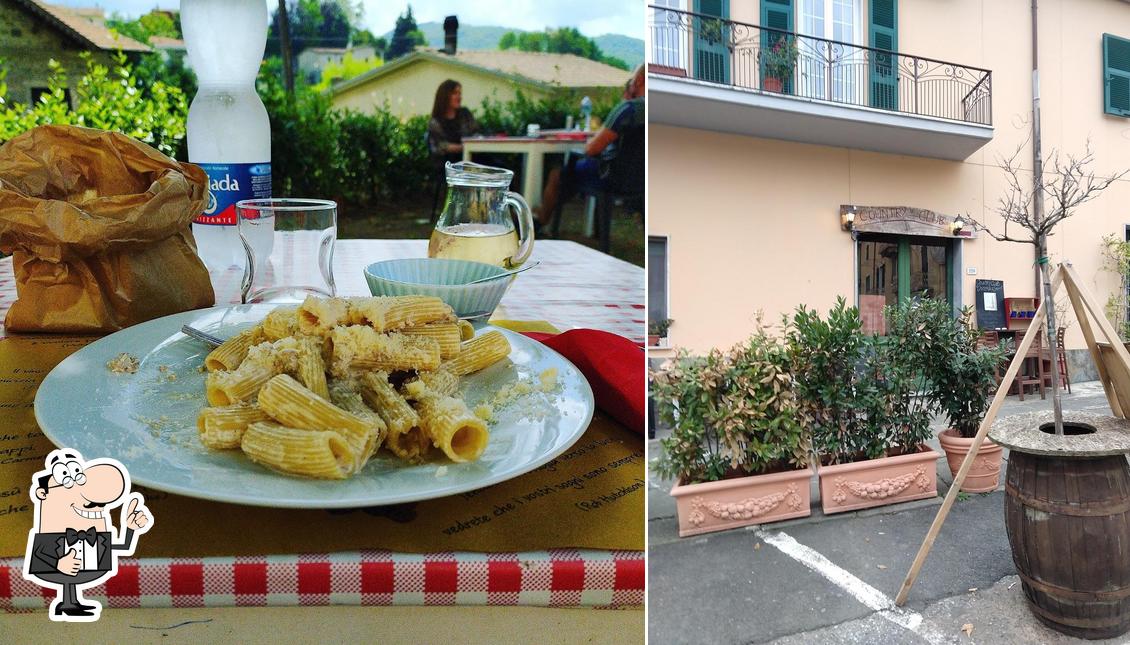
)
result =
(71, 546)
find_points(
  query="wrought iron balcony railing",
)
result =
(707, 48)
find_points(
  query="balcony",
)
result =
(714, 74)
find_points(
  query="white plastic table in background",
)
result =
(534, 150)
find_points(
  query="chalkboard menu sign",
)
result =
(990, 304)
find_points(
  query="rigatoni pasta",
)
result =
(229, 355)
(405, 437)
(222, 428)
(446, 334)
(317, 390)
(387, 313)
(315, 453)
(359, 347)
(479, 353)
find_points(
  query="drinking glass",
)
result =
(290, 249)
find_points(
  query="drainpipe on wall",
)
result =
(1044, 267)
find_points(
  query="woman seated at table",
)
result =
(450, 122)
(583, 174)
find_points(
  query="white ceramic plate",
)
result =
(147, 421)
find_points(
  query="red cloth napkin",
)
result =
(614, 367)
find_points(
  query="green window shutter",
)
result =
(776, 14)
(883, 32)
(711, 53)
(1116, 75)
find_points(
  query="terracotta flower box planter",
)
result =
(877, 482)
(730, 503)
(985, 474)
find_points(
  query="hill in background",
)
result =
(475, 37)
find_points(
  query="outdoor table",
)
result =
(534, 149)
(574, 287)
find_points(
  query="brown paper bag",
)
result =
(98, 225)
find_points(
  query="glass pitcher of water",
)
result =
(476, 223)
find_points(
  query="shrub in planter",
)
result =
(862, 399)
(657, 329)
(737, 449)
(962, 382)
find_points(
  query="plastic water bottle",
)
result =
(586, 112)
(229, 134)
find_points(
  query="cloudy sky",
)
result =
(591, 17)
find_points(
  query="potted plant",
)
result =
(961, 385)
(737, 450)
(657, 329)
(778, 61)
(860, 400)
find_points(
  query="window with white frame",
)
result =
(667, 37)
(830, 20)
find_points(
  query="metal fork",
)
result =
(201, 336)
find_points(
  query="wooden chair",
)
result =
(988, 339)
(1037, 378)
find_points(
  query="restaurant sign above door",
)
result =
(904, 220)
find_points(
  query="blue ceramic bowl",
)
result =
(445, 279)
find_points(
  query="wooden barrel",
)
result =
(1068, 522)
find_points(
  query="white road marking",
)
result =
(869, 596)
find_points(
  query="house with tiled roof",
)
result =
(407, 85)
(33, 32)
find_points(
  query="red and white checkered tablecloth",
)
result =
(573, 287)
(556, 578)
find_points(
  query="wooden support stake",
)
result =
(1089, 337)
(1099, 315)
(982, 432)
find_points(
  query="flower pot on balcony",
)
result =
(878, 482)
(985, 473)
(773, 84)
(653, 340)
(730, 503)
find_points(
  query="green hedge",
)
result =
(356, 159)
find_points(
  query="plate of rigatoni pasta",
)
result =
(330, 403)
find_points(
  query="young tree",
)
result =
(1068, 182)
(406, 36)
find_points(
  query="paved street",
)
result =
(833, 579)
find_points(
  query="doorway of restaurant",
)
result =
(891, 269)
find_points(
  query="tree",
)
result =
(1072, 183)
(364, 37)
(335, 27)
(566, 40)
(406, 36)
(154, 23)
(312, 23)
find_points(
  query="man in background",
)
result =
(613, 159)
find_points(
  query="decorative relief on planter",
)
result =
(881, 489)
(746, 508)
